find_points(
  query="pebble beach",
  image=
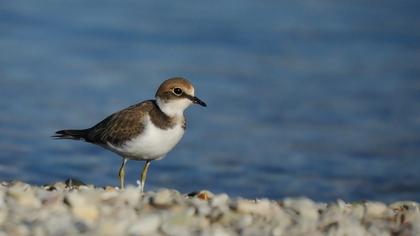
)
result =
(74, 208)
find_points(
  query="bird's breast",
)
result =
(153, 143)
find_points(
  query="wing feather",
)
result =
(120, 126)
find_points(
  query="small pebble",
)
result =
(163, 198)
(146, 225)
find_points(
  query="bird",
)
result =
(146, 131)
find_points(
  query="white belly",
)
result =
(153, 143)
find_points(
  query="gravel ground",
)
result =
(72, 208)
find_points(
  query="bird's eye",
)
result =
(177, 91)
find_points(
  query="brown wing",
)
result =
(120, 126)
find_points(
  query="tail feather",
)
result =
(75, 134)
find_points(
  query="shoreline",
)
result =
(72, 208)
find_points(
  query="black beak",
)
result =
(196, 100)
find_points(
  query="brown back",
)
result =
(127, 124)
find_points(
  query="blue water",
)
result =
(306, 98)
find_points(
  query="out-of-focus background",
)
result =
(306, 98)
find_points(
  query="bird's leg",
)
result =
(143, 175)
(121, 173)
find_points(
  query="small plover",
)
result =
(144, 131)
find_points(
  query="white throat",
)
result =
(173, 108)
